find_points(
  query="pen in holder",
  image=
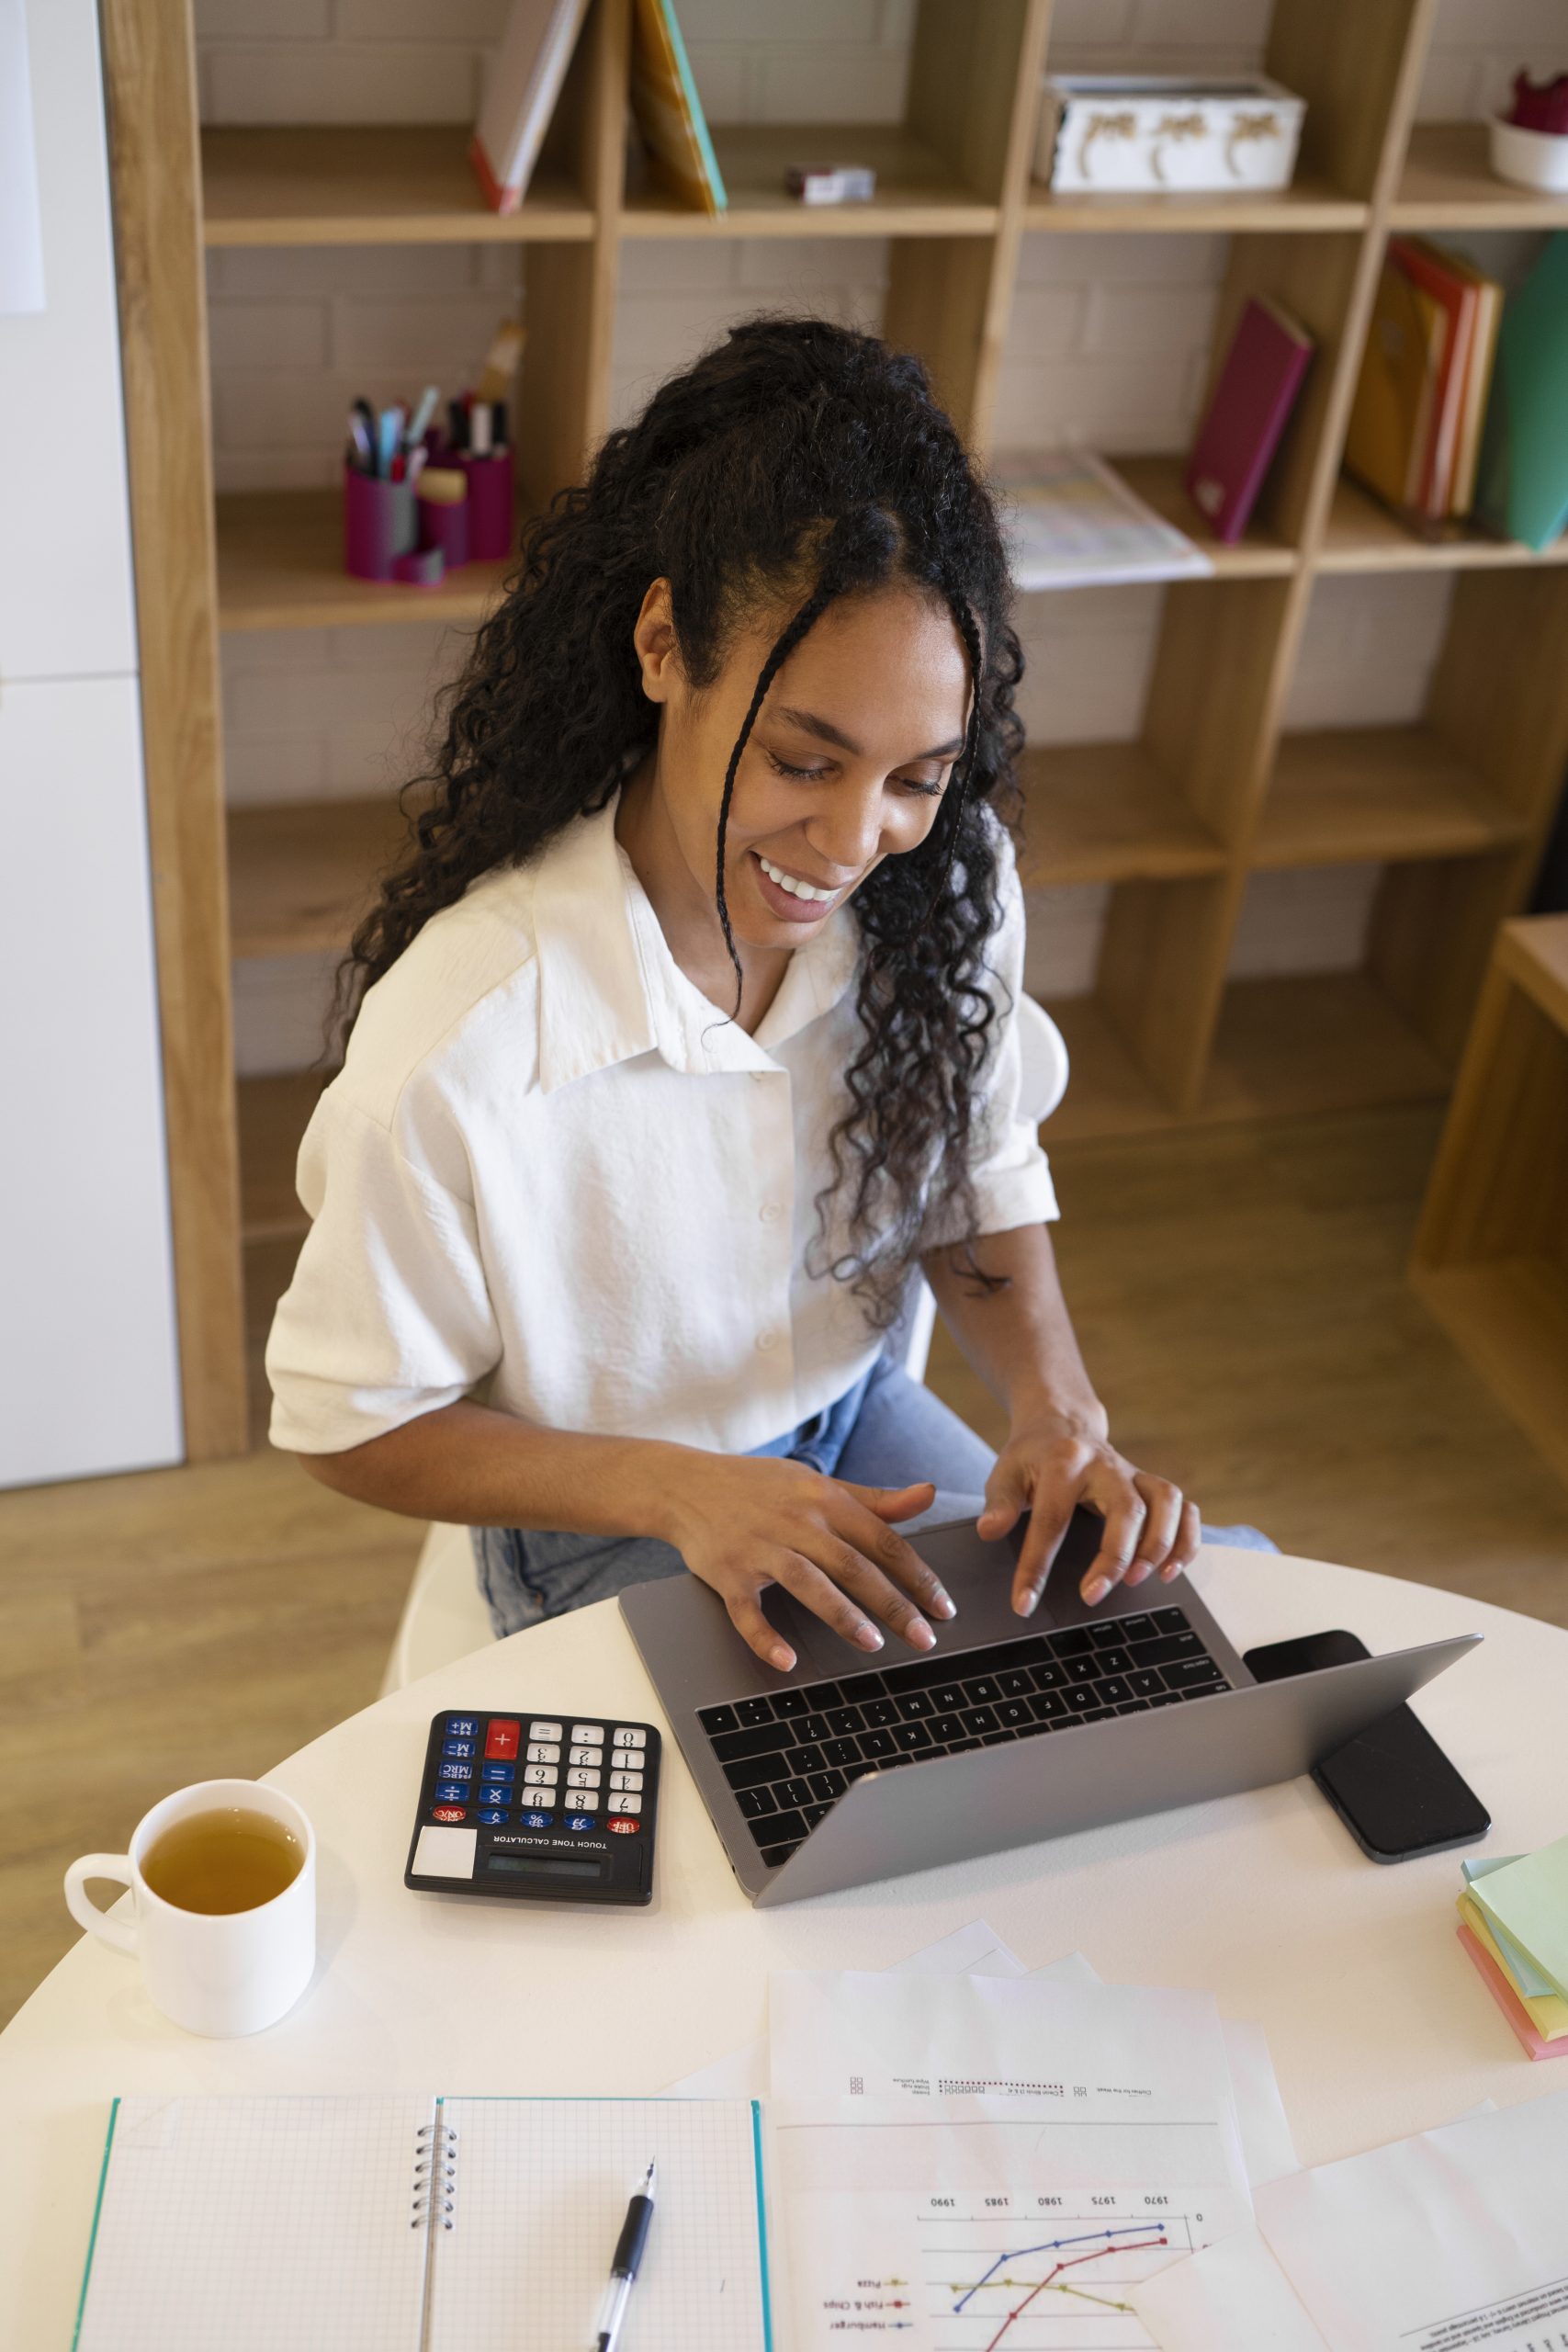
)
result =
(379, 524)
(443, 513)
(489, 505)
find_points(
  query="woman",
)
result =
(684, 1035)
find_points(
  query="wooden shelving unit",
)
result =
(1175, 823)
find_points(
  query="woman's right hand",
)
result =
(742, 1522)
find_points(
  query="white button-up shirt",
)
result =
(553, 1176)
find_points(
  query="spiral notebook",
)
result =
(407, 2225)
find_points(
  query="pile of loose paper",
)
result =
(967, 2156)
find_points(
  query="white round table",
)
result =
(1379, 2025)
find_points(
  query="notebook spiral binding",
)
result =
(435, 2177)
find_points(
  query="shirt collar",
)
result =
(610, 988)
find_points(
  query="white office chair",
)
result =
(444, 1616)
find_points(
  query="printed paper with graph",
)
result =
(984, 2166)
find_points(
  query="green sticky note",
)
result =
(1529, 1901)
(1530, 1982)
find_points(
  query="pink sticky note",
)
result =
(1508, 2001)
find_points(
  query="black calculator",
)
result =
(541, 1807)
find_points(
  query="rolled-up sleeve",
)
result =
(388, 1314)
(1011, 1175)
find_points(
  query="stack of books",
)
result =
(1414, 435)
(1514, 1925)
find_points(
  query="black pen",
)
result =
(623, 2265)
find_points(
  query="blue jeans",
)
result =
(885, 1431)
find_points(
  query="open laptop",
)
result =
(838, 1773)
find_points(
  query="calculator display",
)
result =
(555, 1807)
(529, 1868)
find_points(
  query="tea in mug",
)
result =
(229, 1860)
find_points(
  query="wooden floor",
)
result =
(1240, 1294)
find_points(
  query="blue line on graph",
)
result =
(1052, 2245)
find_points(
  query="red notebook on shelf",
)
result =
(1255, 394)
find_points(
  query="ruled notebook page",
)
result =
(543, 2186)
(259, 2226)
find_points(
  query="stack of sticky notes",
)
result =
(1514, 1925)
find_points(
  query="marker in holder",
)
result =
(379, 524)
(489, 505)
(443, 513)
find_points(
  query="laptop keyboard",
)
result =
(789, 1755)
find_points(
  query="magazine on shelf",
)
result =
(1072, 522)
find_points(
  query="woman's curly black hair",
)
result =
(795, 463)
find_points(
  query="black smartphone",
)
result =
(1392, 1787)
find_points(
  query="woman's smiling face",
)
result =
(845, 764)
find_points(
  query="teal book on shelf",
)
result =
(1523, 488)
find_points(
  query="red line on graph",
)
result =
(1098, 2255)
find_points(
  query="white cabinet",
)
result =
(67, 606)
(89, 1368)
(89, 1359)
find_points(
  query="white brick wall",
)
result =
(296, 333)
(1109, 339)
(676, 297)
(1478, 47)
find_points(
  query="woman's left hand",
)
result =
(1051, 1463)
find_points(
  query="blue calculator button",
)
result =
(462, 1726)
(492, 1816)
(457, 1748)
(580, 1821)
(535, 1820)
(455, 1776)
(502, 1772)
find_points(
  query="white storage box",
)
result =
(1530, 158)
(1159, 135)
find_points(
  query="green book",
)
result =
(1523, 484)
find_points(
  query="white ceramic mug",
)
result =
(213, 1973)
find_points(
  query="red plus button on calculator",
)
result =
(536, 1807)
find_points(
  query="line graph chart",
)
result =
(1051, 2280)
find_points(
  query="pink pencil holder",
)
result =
(489, 505)
(446, 527)
(379, 524)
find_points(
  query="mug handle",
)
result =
(121, 1933)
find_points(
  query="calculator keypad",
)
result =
(537, 1807)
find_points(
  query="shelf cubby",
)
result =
(1259, 554)
(273, 1116)
(919, 191)
(301, 873)
(1446, 182)
(1103, 812)
(1354, 795)
(1285, 1047)
(1314, 1042)
(280, 566)
(1361, 534)
(404, 183)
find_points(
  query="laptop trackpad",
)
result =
(979, 1577)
